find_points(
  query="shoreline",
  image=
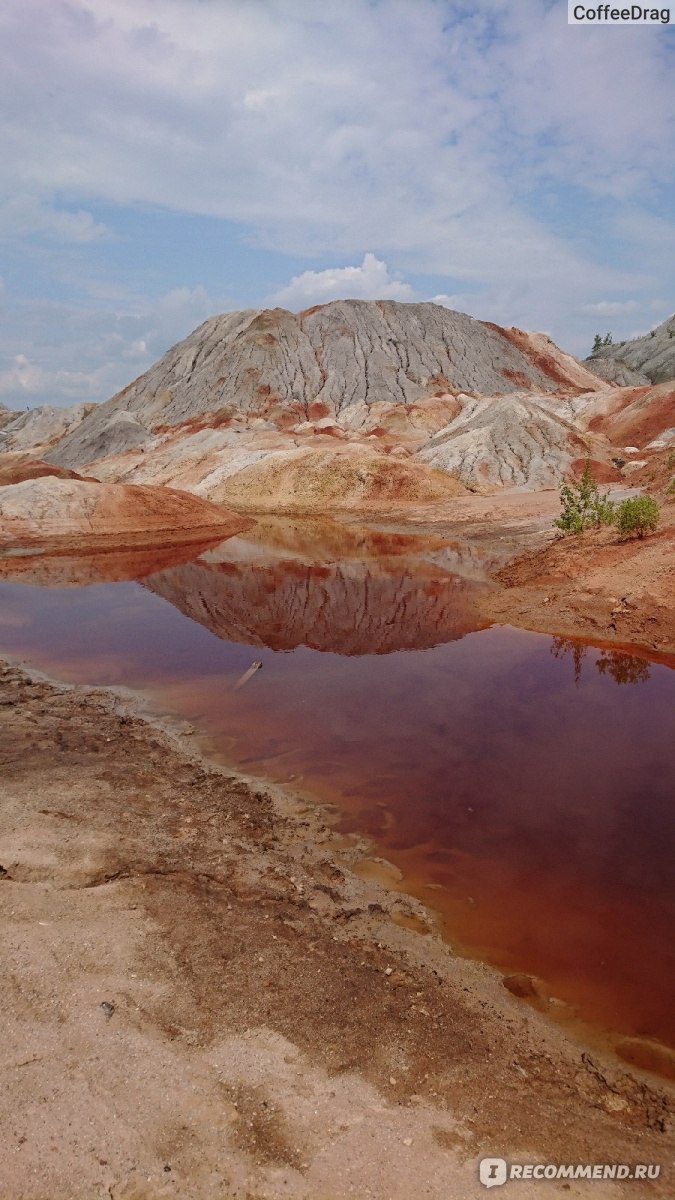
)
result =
(365, 859)
(279, 855)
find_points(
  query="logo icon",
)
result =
(492, 1172)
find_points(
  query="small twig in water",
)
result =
(247, 675)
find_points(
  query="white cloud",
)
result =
(611, 308)
(459, 301)
(22, 215)
(99, 348)
(371, 281)
(461, 141)
(29, 383)
(21, 376)
(409, 127)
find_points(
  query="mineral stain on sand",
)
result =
(521, 785)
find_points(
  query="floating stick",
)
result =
(247, 675)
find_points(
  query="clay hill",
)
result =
(350, 405)
(6, 415)
(648, 359)
(358, 405)
(50, 513)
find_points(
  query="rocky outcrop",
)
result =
(643, 360)
(48, 511)
(6, 415)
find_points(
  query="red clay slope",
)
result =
(75, 512)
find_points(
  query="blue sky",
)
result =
(163, 160)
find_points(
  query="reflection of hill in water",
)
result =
(256, 593)
(84, 570)
(346, 589)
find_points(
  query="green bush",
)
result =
(583, 504)
(637, 516)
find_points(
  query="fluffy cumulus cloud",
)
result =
(370, 281)
(525, 166)
(21, 378)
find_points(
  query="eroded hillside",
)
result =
(647, 359)
(355, 405)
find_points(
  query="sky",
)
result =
(165, 160)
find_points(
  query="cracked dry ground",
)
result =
(200, 1000)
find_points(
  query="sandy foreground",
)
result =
(200, 998)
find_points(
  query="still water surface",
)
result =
(532, 779)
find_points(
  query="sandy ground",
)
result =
(596, 586)
(200, 999)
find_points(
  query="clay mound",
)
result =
(602, 472)
(506, 441)
(254, 405)
(413, 421)
(106, 434)
(641, 416)
(556, 364)
(15, 468)
(598, 586)
(611, 370)
(295, 481)
(336, 361)
(42, 427)
(648, 359)
(6, 415)
(51, 511)
(606, 563)
(655, 472)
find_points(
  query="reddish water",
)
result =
(532, 781)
